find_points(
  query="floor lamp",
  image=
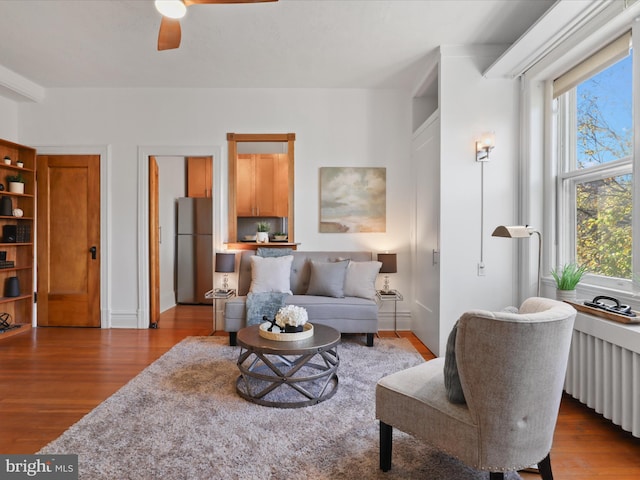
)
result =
(521, 231)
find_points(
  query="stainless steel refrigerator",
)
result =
(195, 246)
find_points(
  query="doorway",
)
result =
(148, 313)
(180, 251)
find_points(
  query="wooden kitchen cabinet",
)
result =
(262, 185)
(199, 176)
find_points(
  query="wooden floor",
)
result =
(52, 377)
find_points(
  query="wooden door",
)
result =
(154, 244)
(425, 157)
(68, 235)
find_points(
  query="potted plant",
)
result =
(567, 277)
(263, 232)
(16, 183)
(280, 236)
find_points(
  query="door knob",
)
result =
(93, 251)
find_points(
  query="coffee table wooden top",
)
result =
(323, 338)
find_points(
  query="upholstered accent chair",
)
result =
(511, 370)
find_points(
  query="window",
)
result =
(593, 113)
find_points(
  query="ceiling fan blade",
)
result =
(170, 34)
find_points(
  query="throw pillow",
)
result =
(327, 278)
(451, 375)
(273, 252)
(271, 274)
(360, 280)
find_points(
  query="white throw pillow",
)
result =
(271, 274)
(360, 280)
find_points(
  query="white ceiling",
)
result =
(290, 43)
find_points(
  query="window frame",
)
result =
(568, 177)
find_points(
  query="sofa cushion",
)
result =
(325, 308)
(271, 274)
(347, 315)
(360, 280)
(327, 278)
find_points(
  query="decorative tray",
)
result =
(285, 337)
(581, 307)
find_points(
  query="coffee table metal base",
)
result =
(299, 375)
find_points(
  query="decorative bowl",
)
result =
(285, 337)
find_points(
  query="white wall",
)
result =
(8, 120)
(469, 106)
(333, 128)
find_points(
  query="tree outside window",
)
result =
(603, 201)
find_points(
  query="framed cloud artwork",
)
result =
(353, 199)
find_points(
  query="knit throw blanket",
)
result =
(263, 304)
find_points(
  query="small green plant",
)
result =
(263, 226)
(15, 178)
(568, 276)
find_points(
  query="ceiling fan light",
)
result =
(171, 8)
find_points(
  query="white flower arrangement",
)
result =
(291, 315)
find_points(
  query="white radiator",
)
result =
(606, 377)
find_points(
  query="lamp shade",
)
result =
(225, 262)
(389, 263)
(514, 231)
(521, 231)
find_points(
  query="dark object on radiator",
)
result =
(615, 308)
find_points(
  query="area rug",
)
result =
(181, 418)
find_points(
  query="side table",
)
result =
(391, 296)
(218, 294)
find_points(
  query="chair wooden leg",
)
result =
(545, 468)
(386, 440)
(496, 476)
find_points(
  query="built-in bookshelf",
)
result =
(17, 222)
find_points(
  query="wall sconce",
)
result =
(484, 146)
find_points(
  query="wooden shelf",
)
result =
(13, 299)
(21, 253)
(24, 327)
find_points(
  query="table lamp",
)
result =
(389, 265)
(225, 263)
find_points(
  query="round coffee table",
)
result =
(288, 374)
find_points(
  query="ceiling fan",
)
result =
(173, 10)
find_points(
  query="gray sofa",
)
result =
(347, 315)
